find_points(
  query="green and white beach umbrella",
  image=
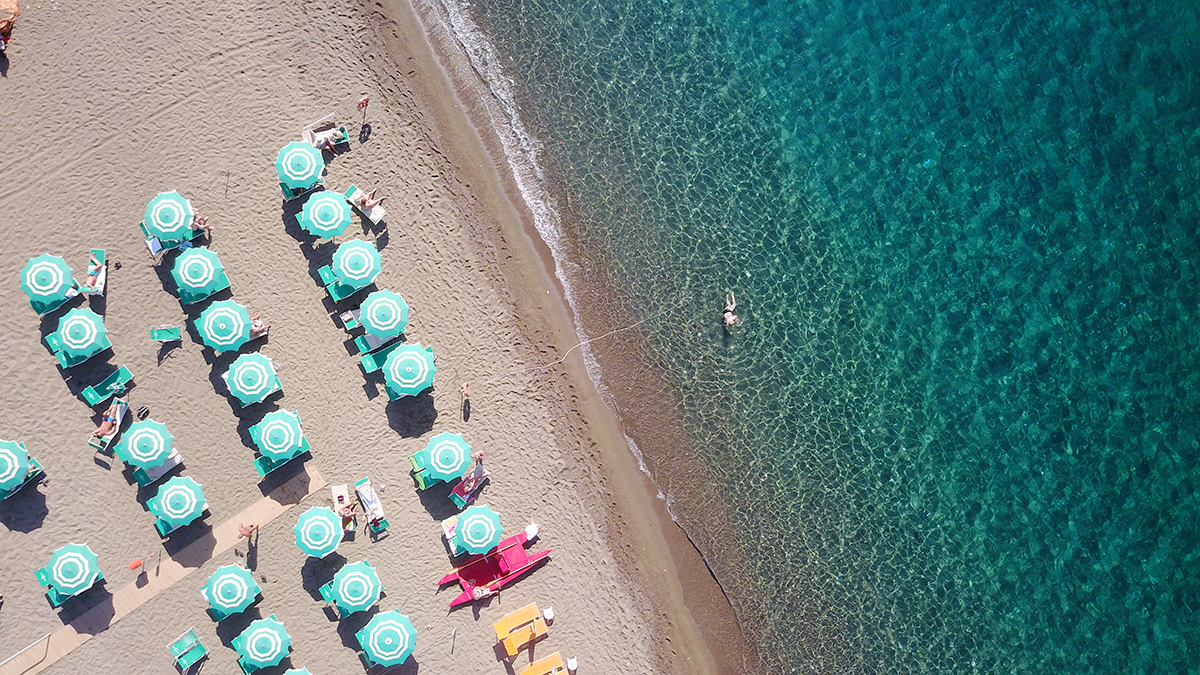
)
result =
(478, 530)
(146, 444)
(280, 434)
(46, 279)
(299, 165)
(389, 638)
(264, 643)
(296, 671)
(409, 369)
(384, 313)
(318, 532)
(251, 378)
(356, 588)
(73, 569)
(224, 326)
(81, 332)
(231, 589)
(14, 464)
(325, 214)
(356, 263)
(169, 217)
(198, 270)
(179, 501)
(449, 455)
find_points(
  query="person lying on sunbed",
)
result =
(257, 328)
(93, 275)
(472, 478)
(109, 422)
(366, 201)
(201, 223)
(329, 141)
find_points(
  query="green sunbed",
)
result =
(114, 384)
(53, 342)
(265, 465)
(418, 460)
(187, 650)
(367, 343)
(146, 477)
(166, 333)
(373, 361)
(34, 473)
(47, 307)
(65, 361)
(350, 320)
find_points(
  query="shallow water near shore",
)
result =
(957, 426)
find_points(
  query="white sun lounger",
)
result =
(375, 214)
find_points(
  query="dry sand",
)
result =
(107, 104)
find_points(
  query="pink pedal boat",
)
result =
(484, 575)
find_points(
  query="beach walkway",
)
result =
(42, 654)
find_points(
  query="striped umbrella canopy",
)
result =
(251, 378)
(224, 326)
(385, 314)
(179, 501)
(73, 569)
(299, 165)
(46, 279)
(478, 530)
(318, 532)
(169, 217)
(389, 638)
(325, 214)
(280, 434)
(264, 642)
(296, 671)
(81, 332)
(146, 444)
(356, 263)
(231, 589)
(14, 464)
(356, 587)
(409, 369)
(199, 270)
(449, 455)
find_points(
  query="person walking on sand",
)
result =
(466, 401)
(246, 531)
(731, 319)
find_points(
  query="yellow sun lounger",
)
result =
(519, 628)
(551, 665)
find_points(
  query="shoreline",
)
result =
(659, 542)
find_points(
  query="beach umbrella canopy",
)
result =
(231, 589)
(478, 530)
(389, 638)
(46, 279)
(325, 214)
(409, 369)
(251, 378)
(198, 270)
(81, 332)
(73, 569)
(146, 444)
(224, 326)
(449, 455)
(179, 501)
(384, 313)
(14, 464)
(264, 643)
(169, 217)
(296, 671)
(318, 532)
(356, 263)
(280, 435)
(299, 165)
(356, 587)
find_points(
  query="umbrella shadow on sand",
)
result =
(198, 536)
(24, 511)
(412, 416)
(349, 626)
(283, 474)
(319, 571)
(436, 501)
(233, 625)
(89, 612)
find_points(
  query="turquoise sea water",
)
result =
(958, 427)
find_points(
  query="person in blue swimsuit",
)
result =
(93, 274)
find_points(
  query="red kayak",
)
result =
(484, 575)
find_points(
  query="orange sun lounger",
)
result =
(551, 665)
(520, 628)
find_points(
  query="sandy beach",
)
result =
(109, 104)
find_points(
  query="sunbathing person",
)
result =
(365, 200)
(93, 274)
(201, 223)
(108, 424)
(257, 329)
(6, 26)
(329, 142)
(474, 476)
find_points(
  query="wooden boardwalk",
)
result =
(48, 650)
